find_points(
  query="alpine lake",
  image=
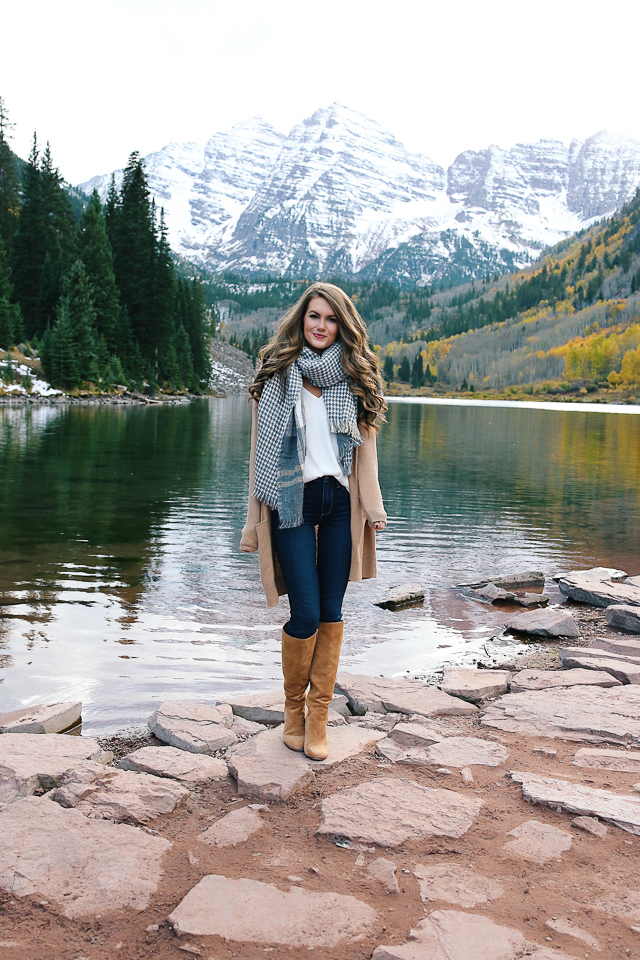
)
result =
(122, 583)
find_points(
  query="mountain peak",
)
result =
(340, 195)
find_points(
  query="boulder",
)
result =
(234, 828)
(196, 727)
(341, 705)
(493, 594)
(544, 623)
(512, 581)
(538, 842)
(455, 935)
(621, 646)
(266, 706)
(591, 714)
(265, 768)
(590, 825)
(475, 685)
(250, 911)
(396, 695)
(390, 811)
(600, 587)
(455, 884)
(45, 718)
(548, 679)
(403, 595)
(31, 762)
(82, 867)
(119, 795)
(384, 871)
(623, 761)
(467, 751)
(457, 752)
(414, 735)
(175, 764)
(622, 616)
(623, 811)
(588, 658)
(246, 728)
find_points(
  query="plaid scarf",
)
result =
(281, 442)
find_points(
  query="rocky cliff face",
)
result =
(341, 196)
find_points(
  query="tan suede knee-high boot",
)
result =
(322, 677)
(296, 661)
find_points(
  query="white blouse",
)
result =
(322, 445)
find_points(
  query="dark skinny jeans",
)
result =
(316, 580)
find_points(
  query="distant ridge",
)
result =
(340, 196)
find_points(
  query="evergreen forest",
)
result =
(92, 288)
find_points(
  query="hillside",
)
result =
(340, 196)
(571, 322)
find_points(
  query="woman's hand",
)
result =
(378, 525)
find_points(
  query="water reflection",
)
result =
(123, 584)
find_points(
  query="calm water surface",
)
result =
(122, 583)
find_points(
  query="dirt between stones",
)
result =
(593, 871)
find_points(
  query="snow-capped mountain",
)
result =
(340, 196)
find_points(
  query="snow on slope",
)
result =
(340, 194)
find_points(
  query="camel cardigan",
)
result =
(366, 508)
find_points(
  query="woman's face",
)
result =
(320, 325)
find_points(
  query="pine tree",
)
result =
(76, 306)
(388, 370)
(44, 244)
(196, 323)
(132, 238)
(162, 299)
(95, 253)
(10, 320)
(185, 362)
(404, 374)
(9, 180)
(58, 356)
(417, 372)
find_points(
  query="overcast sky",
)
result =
(100, 78)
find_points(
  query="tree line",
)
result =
(95, 291)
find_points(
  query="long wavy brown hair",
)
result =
(358, 359)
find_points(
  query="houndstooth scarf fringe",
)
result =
(281, 442)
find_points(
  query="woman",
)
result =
(314, 496)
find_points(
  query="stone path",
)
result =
(456, 884)
(475, 685)
(197, 727)
(387, 694)
(176, 764)
(624, 761)
(621, 667)
(546, 679)
(538, 842)
(46, 718)
(448, 752)
(236, 827)
(573, 713)
(623, 811)
(85, 866)
(601, 586)
(622, 616)
(31, 762)
(255, 912)
(120, 795)
(390, 811)
(453, 935)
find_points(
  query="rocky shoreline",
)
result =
(495, 815)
